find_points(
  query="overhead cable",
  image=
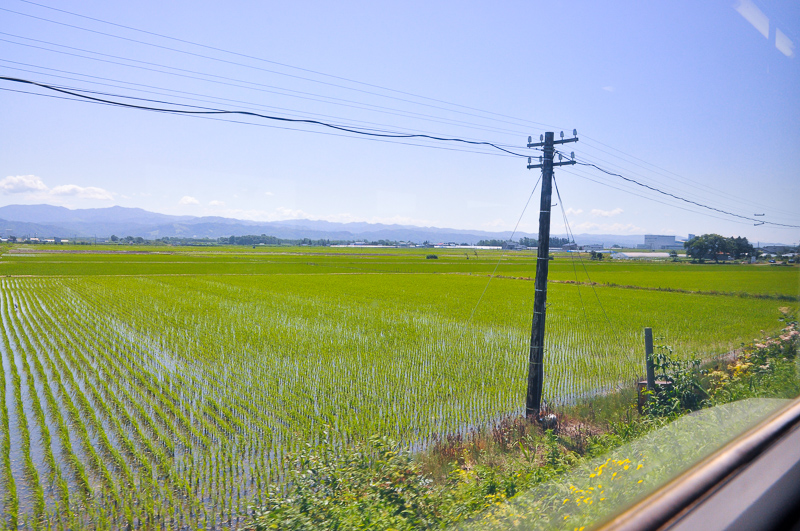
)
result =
(653, 188)
(260, 87)
(180, 93)
(267, 61)
(721, 195)
(259, 115)
(326, 133)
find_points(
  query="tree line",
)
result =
(716, 247)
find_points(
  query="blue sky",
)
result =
(697, 98)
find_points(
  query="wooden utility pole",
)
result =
(533, 399)
(648, 353)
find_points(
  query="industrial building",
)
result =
(658, 241)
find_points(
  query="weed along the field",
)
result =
(233, 389)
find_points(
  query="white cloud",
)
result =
(609, 88)
(284, 213)
(268, 193)
(611, 228)
(216, 203)
(188, 200)
(17, 184)
(572, 211)
(606, 213)
(35, 187)
(84, 192)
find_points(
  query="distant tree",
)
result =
(139, 239)
(674, 255)
(697, 248)
(599, 256)
(741, 247)
(114, 238)
(492, 243)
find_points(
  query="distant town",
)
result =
(653, 247)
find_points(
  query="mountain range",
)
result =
(47, 221)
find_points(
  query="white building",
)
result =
(659, 241)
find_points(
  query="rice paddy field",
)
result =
(161, 388)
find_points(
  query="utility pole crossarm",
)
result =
(554, 142)
(565, 140)
(568, 163)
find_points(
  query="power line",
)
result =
(267, 61)
(503, 255)
(270, 89)
(637, 183)
(586, 271)
(607, 185)
(517, 121)
(251, 105)
(689, 182)
(217, 98)
(209, 111)
(653, 188)
(684, 179)
(371, 139)
(259, 115)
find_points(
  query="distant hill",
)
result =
(53, 221)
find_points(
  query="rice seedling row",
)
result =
(54, 480)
